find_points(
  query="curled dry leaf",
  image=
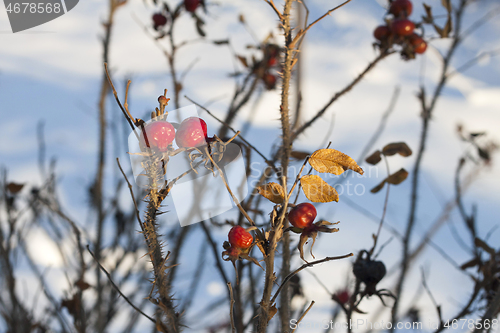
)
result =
(378, 187)
(243, 60)
(400, 148)
(394, 179)
(398, 177)
(272, 311)
(312, 232)
(471, 263)
(374, 158)
(14, 187)
(317, 190)
(273, 192)
(428, 11)
(333, 161)
(482, 244)
(447, 5)
(299, 155)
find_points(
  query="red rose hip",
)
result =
(159, 135)
(401, 7)
(191, 133)
(403, 27)
(159, 20)
(239, 237)
(302, 215)
(381, 32)
(269, 81)
(191, 5)
(418, 43)
(342, 296)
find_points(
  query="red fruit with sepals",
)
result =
(191, 5)
(382, 32)
(401, 8)
(269, 81)
(159, 135)
(403, 27)
(418, 43)
(191, 133)
(159, 20)
(302, 215)
(239, 237)
(342, 296)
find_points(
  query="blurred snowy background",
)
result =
(52, 73)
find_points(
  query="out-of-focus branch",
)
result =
(427, 110)
(371, 65)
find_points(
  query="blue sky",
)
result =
(52, 73)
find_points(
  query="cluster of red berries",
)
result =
(159, 135)
(160, 20)
(400, 30)
(271, 60)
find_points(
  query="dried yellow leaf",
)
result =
(273, 192)
(333, 161)
(317, 190)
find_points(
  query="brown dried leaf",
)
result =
(438, 30)
(447, 5)
(398, 177)
(302, 241)
(333, 161)
(471, 263)
(374, 158)
(447, 27)
(82, 285)
(428, 18)
(299, 155)
(378, 187)
(400, 148)
(317, 190)
(273, 192)
(482, 244)
(272, 311)
(243, 60)
(14, 187)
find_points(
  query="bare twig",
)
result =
(231, 314)
(303, 315)
(302, 33)
(136, 208)
(438, 307)
(131, 120)
(118, 289)
(270, 163)
(273, 6)
(304, 266)
(427, 109)
(236, 201)
(320, 113)
(386, 203)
